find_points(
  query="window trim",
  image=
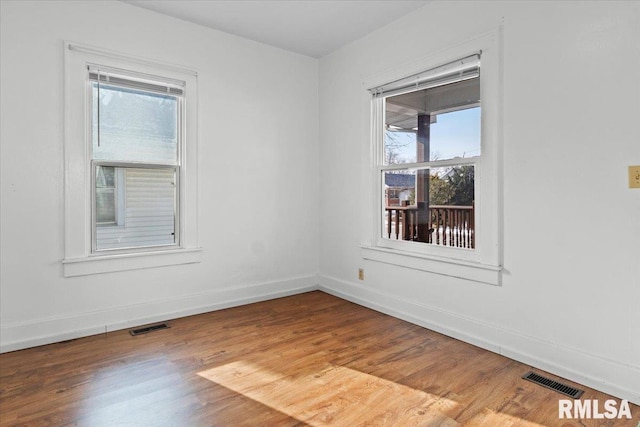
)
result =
(484, 263)
(79, 258)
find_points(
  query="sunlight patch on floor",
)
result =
(328, 395)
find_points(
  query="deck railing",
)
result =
(443, 225)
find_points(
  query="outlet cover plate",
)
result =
(634, 176)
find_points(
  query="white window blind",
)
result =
(103, 75)
(461, 69)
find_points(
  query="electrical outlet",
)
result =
(634, 176)
(361, 274)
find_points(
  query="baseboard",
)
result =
(608, 376)
(21, 335)
(593, 371)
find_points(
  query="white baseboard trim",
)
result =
(21, 335)
(608, 376)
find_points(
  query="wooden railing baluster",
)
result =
(449, 225)
(397, 223)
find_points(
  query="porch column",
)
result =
(422, 177)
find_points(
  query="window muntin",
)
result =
(436, 130)
(135, 136)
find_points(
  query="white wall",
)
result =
(258, 173)
(570, 298)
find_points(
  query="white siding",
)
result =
(149, 211)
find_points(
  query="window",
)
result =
(436, 164)
(130, 165)
(432, 142)
(134, 135)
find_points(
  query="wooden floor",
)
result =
(310, 359)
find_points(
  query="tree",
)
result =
(440, 190)
(393, 145)
(461, 179)
(455, 188)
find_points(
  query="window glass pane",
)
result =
(432, 206)
(134, 125)
(105, 206)
(400, 187)
(147, 207)
(105, 195)
(433, 124)
(455, 134)
(105, 177)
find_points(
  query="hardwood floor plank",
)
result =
(309, 359)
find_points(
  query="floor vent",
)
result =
(148, 329)
(553, 385)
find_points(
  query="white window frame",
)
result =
(80, 258)
(484, 262)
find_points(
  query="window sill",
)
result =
(124, 262)
(468, 270)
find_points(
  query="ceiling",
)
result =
(312, 28)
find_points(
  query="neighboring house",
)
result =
(398, 187)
